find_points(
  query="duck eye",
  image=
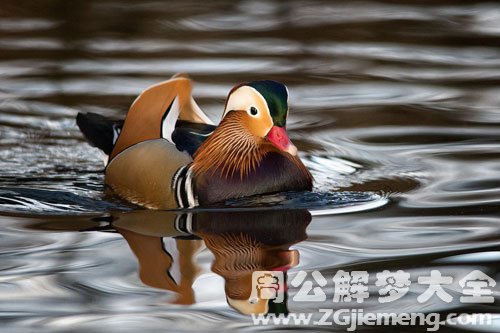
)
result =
(253, 110)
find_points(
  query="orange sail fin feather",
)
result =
(146, 115)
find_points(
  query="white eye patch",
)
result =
(244, 98)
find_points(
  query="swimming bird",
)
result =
(168, 153)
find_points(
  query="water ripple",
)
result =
(393, 105)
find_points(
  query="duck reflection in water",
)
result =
(242, 242)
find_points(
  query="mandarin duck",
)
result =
(168, 154)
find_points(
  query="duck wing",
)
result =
(189, 136)
(156, 111)
(148, 162)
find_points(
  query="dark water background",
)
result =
(396, 104)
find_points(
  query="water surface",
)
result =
(394, 107)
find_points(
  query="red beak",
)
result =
(279, 138)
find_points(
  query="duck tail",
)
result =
(100, 132)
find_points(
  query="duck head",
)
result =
(263, 109)
(251, 143)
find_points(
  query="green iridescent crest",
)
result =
(276, 96)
